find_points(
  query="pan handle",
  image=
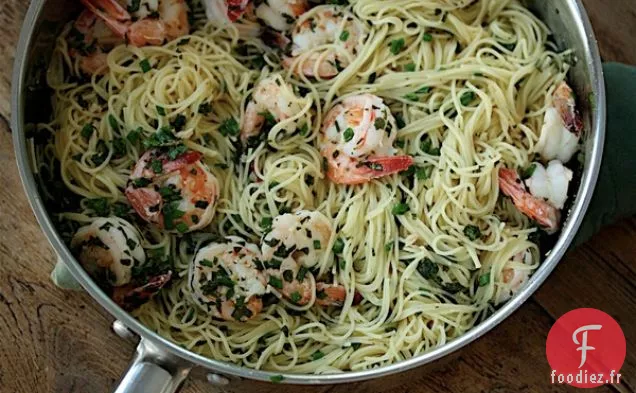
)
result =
(153, 371)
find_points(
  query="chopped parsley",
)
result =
(344, 35)
(229, 127)
(205, 108)
(99, 206)
(87, 131)
(206, 262)
(288, 275)
(295, 296)
(145, 65)
(423, 90)
(317, 245)
(302, 272)
(427, 37)
(388, 247)
(338, 246)
(134, 6)
(171, 213)
(427, 268)
(134, 135)
(467, 98)
(400, 208)
(379, 123)
(527, 173)
(156, 166)
(162, 137)
(409, 67)
(317, 355)
(472, 232)
(412, 97)
(304, 129)
(176, 151)
(161, 110)
(276, 378)
(266, 223)
(347, 135)
(275, 282)
(182, 227)
(484, 279)
(112, 121)
(397, 45)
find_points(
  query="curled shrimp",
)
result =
(562, 127)
(550, 183)
(108, 249)
(513, 276)
(331, 27)
(281, 15)
(223, 12)
(357, 141)
(175, 194)
(534, 207)
(89, 42)
(296, 243)
(224, 280)
(273, 101)
(140, 27)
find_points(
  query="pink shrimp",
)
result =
(172, 22)
(175, 194)
(536, 208)
(357, 141)
(89, 41)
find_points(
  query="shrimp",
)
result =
(296, 243)
(513, 276)
(325, 25)
(550, 183)
(534, 207)
(224, 279)
(273, 101)
(223, 12)
(280, 15)
(130, 297)
(89, 41)
(109, 248)
(176, 194)
(357, 141)
(562, 127)
(140, 28)
(334, 295)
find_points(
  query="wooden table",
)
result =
(57, 341)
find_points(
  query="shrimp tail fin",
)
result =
(112, 13)
(236, 8)
(537, 209)
(130, 298)
(565, 104)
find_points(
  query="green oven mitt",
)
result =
(616, 187)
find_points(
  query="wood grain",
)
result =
(57, 341)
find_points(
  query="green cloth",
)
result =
(615, 190)
(616, 186)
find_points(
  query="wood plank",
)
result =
(614, 24)
(11, 15)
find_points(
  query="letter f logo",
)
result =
(583, 344)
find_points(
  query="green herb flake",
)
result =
(423, 90)
(397, 45)
(484, 279)
(388, 247)
(145, 65)
(266, 223)
(412, 97)
(347, 135)
(527, 173)
(99, 206)
(344, 35)
(161, 110)
(182, 227)
(304, 129)
(379, 123)
(275, 282)
(295, 296)
(338, 246)
(472, 232)
(400, 209)
(229, 127)
(276, 378)
(409, 67)
(134, 135)
(112, 121)
(427, 37)
(467, 98)
(317, 245)
(427, 268)
(87, 131)
(317, 355)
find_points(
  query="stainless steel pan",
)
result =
(160, 365)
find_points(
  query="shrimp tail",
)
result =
(537, 209)
(334, 295)
(565, 104)
(130, 297)
(112, 13)
(371, 168)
